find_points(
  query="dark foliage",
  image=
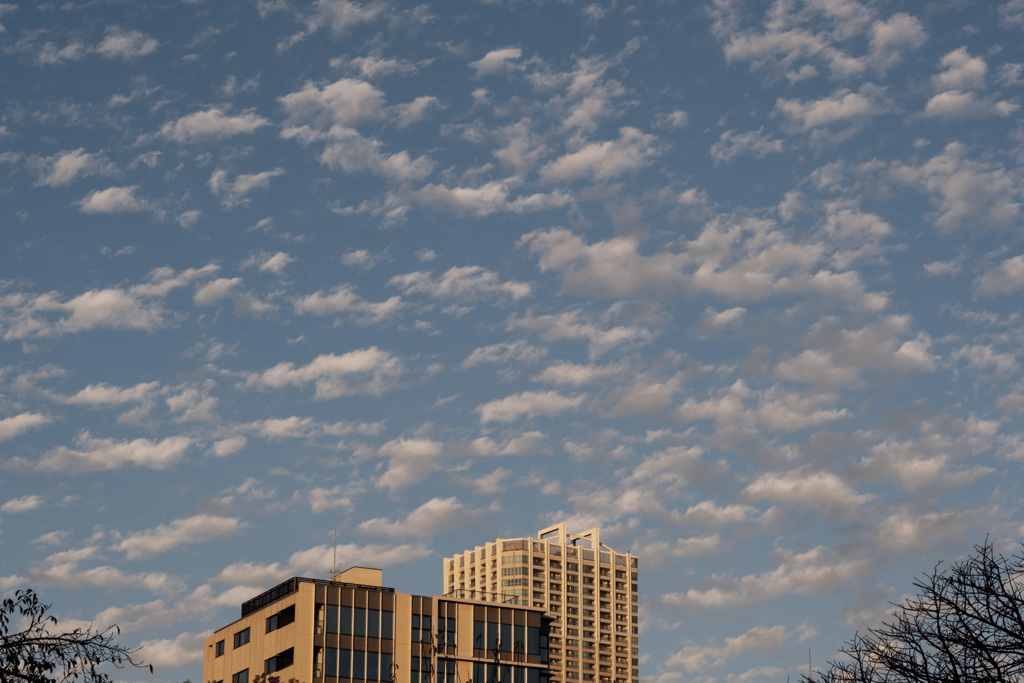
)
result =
(39, 653)
(965, 625)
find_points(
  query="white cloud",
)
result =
(277, 263)
(410, 462)
(113, 200)
(23, 504)
(491, 197)
(969, 193)
(464, 283)
(411, 112)
(496, 60)
(230, 445)
(604, 160)
(166, 652)
(183, 531)
(954, 104)
(1004, 278)
(432, 517)
(731, 145)
(600, 335)
(231, 193)
(96, 454)
(365, 371)
(697, 659)
(323, 499)
(353, 153)
(963, 72)
(821, 490)
(344, 102)
(814, 572)
(889, 39)
(842, 106)
(506, 352)
(211, 124)
(126, 45)
(342, 299)
(105, 394)
(11, 427)
(65, 167)
(528, 404)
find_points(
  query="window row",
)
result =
(358, 665)
(489, 672)
(358, 621)
(491, 636)
(421, 632)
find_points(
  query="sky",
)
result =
(736, 281)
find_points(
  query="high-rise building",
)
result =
(352, 629)
(589, 589)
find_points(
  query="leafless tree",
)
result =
(965, 625)
(39, 653)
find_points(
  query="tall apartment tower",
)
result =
(589, 589)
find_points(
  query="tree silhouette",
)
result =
(965, 625)
(37, 653)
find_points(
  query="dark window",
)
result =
(218, 649)
(281, 619)
(344, 663)
(241, 677)
(373, 624)
(371, 666)
(346, 620)
(385, 666)
(445, 671)
(359, 627)
(493, 635)
(478, 639)
(506, 637)
(241, 638)
(282, 660)
(332, 618)
(387, 625)
(331, 662)
(358, 664)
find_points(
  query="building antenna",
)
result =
(334, 572)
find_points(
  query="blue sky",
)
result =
(738, 282)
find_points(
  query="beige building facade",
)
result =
(352, 629)
(588, 588)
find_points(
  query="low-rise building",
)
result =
(353, 629)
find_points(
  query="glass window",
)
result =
(478, 638)
(386, 669)
(372, 670)
(373, 624)
(241, 638)
(359, 627)
(344, 663)
(387, 625)
(240, 677)
(346, 620)
(218, 649)
(332, 618)
(330, 662)
(493, 635)
(358, 665)
(533, 640)
(506, 637)
(425, 628)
